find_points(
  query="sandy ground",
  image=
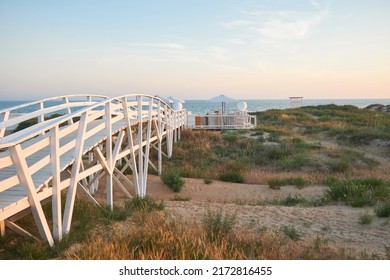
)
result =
(337, 224)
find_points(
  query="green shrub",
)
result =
(218, 224)
(293, 200)
(291, 232)
(207, 181)
(365, 219)
(358, 192)
(299, 182)
(277, 153)
(146, 204)
(230, 137)
(179, 198)
(383, 210)
(26, 124)
(117, 214)
(232, 176)
(172, 179)
(275, 183)
(339, 166)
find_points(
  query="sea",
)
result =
(258, 105)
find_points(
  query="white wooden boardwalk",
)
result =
(76, 150)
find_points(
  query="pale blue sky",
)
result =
(195, 49)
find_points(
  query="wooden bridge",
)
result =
(83, 143)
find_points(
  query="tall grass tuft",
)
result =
(358, 192)
(232, 176)
(291, 232)
(171, 177)
(218, 224)
(145, 204)
(365, 219)
(276, 183)
(383, 210)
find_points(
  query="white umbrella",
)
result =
(222, 99)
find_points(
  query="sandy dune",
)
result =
(337, 224)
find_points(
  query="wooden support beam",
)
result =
(91, 161)
(140, 149)
(147, 148)
(159, 169)
(56, 172)
(109, 157)
(131, 145)
(19, 230)
(3, 119)
(89, 195)
(2, 228)
(68, 213)
(130, 183)
(29, 188)
(103, 161)
(95, 179)
(117, 148)
(120, 185)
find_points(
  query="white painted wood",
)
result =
(140, 152)
(124, 177)
(3, 122)
(55, 171)
(2, 228)
(68, 213)
(95, 179)
(147, 121)
(90, 177)
(5, 162)
(27, 182)
(117, 148)
(147, 149)
(68, 110)
(89, 171)
(88, 194)
(41, 117)
(120, 185)
(109, 156)
(19, 230)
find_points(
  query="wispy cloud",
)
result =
(235, 23)
(314, 3)
(346, 16)
(173, 46)
(278, 24)
(237, 41)
(290, 26)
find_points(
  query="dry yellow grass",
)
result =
(157, 237)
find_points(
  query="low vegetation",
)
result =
(325, 139)
(358, 192)
(311, 145)
(365, 219)
(156, 237)
(383, 210)
(276, 183)
(171, 177)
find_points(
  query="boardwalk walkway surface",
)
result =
(84, 142)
